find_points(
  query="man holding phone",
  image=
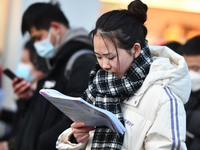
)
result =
(55, 41)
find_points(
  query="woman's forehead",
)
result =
(103, 42)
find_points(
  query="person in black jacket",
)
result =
(58, 43)
(32, 68)
(191, 53)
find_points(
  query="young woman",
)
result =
(146, 88)
(31, 67)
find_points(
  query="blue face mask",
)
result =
(45, 48)
(24, 70)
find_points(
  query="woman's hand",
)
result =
(80, 131)
(22, 88)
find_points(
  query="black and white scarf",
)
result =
(107, 91)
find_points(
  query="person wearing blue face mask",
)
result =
(45, 48)
(59, 45)
(28, 67)
(31, 68)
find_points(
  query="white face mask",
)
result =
(195, 79)
(45, 48)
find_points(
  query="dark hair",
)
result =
(192, 46)
(38, 62)
(40, 15)
(175, 46)
(124, 27)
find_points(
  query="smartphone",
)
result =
(9, 73)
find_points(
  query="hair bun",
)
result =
(138, 10)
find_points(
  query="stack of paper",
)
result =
(79, 110)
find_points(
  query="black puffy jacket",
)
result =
(43, 122)
(193, 121)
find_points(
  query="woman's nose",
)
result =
(106, 64)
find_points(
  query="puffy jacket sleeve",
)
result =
(63, 142)
(169, 127)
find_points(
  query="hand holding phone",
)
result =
(22, 89)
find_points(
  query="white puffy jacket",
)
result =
(155, 116)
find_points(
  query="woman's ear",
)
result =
(137, 49)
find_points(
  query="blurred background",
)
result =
(168, 20)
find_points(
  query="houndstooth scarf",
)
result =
(107, 90)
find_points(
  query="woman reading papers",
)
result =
(145, 87)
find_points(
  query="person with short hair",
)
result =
(55, 41)
(191, 53)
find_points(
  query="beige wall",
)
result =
(3, 17)
(165, 25)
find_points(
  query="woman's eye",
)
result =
(98, 57)
(111, 58)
